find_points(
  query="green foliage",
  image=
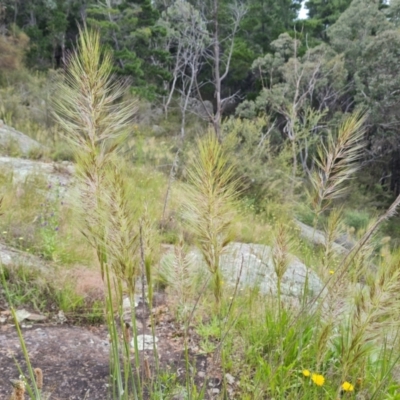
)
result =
(359, 220)
(25, 287)
(323, 14)
(290, 70)
(376, 80)
(129, 30)
(393, 12)
(368, 38)
(291, 83)
(266, 20)
(262, 169)
(47, 23)
(355, 28)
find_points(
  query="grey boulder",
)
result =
(251, 265)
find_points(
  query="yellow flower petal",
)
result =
(347, 387)
(318, 379)
(306, 372)
(331, 271)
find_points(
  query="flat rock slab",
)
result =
(11, 257)
(54, 173)
(25, 144)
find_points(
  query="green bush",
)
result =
(357, 219)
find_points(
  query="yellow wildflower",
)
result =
(318, 379)
(306, 372)
(347, 387)
(331, 271)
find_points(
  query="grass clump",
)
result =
(96, 122)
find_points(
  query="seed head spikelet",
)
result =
(39, 378)
(211, 197)
(95, 121)
(337, 161)
(18, 390)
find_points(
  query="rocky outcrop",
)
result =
(11, 257)
(252, 265)
(317, 237)
(21, 169)
(10, 137)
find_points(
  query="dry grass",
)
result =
(12, 49)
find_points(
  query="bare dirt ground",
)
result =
(75, 359)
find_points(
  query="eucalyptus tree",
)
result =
(367, 35)
(223, 23)
(355, 28)
(297, 91)
(393, 12)
(186, 40)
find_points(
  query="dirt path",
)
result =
(75, 359)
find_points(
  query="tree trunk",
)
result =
(395, 173)
(217, 75)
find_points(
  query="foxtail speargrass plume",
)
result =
(337, 162)
(211, 196)
(372, 316)
(89, 106)
(95, 121)
(280, 252)
(91, 110)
